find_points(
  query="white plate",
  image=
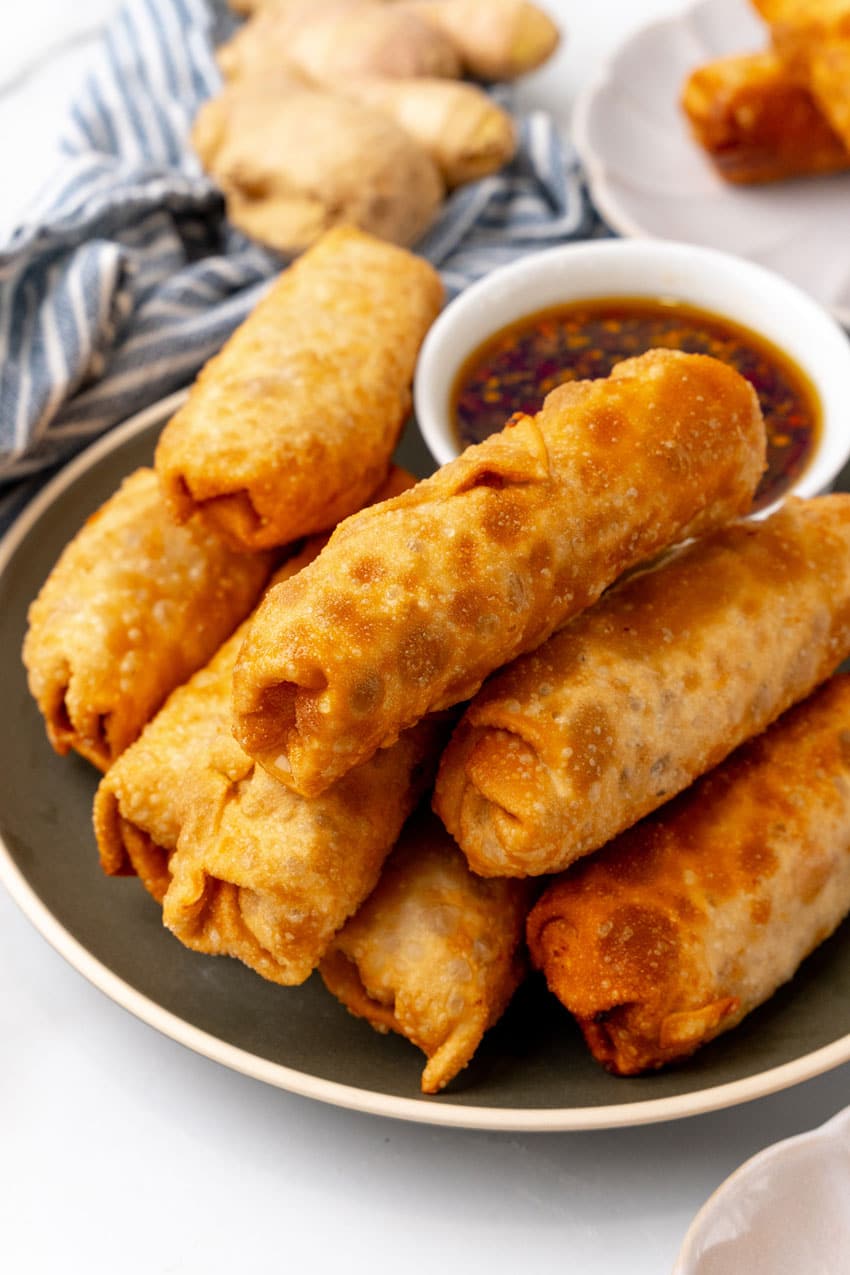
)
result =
(532, 1071)
(786, 1211)
(649, 178)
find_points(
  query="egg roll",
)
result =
(411, 605)
(689, 920)
(757, 123)
(434, 953)
(812, 37)
(672, 670)
(291, 426)
(134, 605)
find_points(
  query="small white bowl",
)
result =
(733, 288)
(786, 1211)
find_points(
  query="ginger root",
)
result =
(326, 39)
(463, 131)
(337, 39)
(495, 39)
(292, 162)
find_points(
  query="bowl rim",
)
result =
(444, 348)
(836, 1127)
(595, 166)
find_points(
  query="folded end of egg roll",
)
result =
(757, 123)
(267, 876)
(689, 920)
(126, 849)
(134, 605)
(435, 953)
(290, 427)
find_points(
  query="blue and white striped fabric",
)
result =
(126, 277)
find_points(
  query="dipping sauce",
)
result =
(515, 369)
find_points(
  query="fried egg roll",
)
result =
(812, 37)
(413, 604)
(134, 605)
(434, 953)
(691, 919)
(291, 426)
(672, 670)
(757, 123)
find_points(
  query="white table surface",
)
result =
(123, 1153)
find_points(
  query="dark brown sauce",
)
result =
(516, 368)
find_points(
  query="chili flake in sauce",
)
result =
(515, 369)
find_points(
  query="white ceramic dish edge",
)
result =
(594, 165)
(425, 1111)
(704, 277)
(741, 1206)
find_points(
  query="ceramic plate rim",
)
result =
(593, 164)
(368, 1102)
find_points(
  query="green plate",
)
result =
(532, 1070)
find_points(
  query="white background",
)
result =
(123, 1153)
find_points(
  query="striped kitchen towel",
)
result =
(126, 277)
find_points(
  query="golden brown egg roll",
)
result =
(133, 606)
(812, 37)
(757, 123)
(672, 670)
(292, 425)
(694, 917)
(411, 605)
(434, 953)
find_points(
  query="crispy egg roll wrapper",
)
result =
(291, 426)
(812, 37)
(672, 670)
(434, 953)
(411, 605)
(757, 123)
(133, 606)
(691, 919)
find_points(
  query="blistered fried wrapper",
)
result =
(435, 953)
(413, 604)
(291, 426)
(812, 38)
(691, 919)
(134, 605)
(757, 123)
(672, 670)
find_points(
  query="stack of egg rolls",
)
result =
(261, 803)
(691, 919)
(243, 866)
(412, 604)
